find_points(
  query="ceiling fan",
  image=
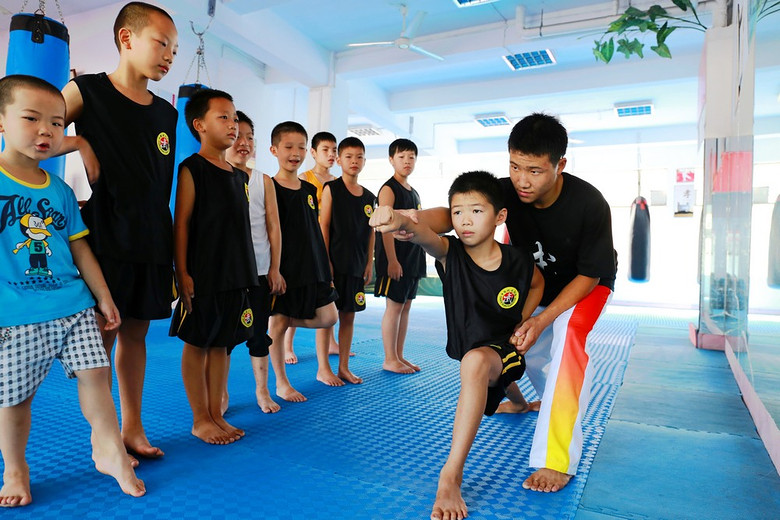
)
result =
(405, 40)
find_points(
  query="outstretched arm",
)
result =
(386, 220)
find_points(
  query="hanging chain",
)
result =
(200, 54)
(42, 8)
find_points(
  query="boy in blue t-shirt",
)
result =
(46, 307)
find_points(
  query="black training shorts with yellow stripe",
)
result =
(397, 290)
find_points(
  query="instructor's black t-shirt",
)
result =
(571, 237)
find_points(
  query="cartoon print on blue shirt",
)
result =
(34, 228)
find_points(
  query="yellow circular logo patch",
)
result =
(311, 202)
(360, 298)
(163, 143)
(507, 297)
(368, 209)
(247, 318)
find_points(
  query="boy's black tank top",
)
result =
(349, 229)
(220, 256)
(410, 255)
(128, 214)
(483, 306)
(304, 257)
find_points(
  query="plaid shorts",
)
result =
(28, 351)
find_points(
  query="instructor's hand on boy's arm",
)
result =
(404, 235)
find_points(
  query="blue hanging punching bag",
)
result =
(639, 261)
(773, 274)
(186, 144)
(38, 46)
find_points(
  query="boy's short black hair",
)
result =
(135, 16)
(198, 105)
(351, 142)
(539, 134)
(10, 84)
(287, 127)
(243, 118)
(322, 136)
(402, 145)
(482, 182)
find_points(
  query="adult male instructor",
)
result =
(566, 223)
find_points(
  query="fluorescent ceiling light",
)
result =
(472, 3)
(634, 108)
(529, 60)
(490, 120)
(364, 130)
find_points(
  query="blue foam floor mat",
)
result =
(360, 451)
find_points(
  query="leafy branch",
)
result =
(658, 21)
(634, 21)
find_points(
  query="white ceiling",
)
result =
(304, 42)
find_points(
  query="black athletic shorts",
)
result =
(139, 290)
(352, 295)
(224, 319)
(513, 369)
(399, 291)
(302, 302)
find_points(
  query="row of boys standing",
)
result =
(307, 271)
(121, 247)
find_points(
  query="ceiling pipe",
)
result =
(572, 21)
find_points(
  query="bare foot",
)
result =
(546, 480)
(288, 393)
(209, 432)
(398, 367)
(16, 489)
(410, 364)
(290, 358)
(266, 404)
(510, 407)
(329, 378)
(138, 445)
(118, 466)
(449, 504)
(228, 428)
(349, 377)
